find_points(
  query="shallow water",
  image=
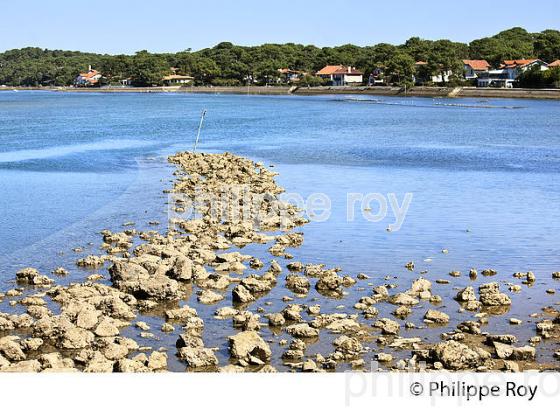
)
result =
(484, 179)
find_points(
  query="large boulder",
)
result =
(132, 278)
(32, 276)
(246, 344)
(456, 356)
(490, 295)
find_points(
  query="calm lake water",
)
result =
(484, 177)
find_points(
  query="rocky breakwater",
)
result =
(223, 203)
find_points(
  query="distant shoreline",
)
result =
(440, 92)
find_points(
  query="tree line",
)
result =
(229, 64)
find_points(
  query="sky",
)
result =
(126, 26)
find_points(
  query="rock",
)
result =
(167, 328)
(31, 344)
(276, 319)
(309, 366)
(60, 271)
(384, 357)
(115, 351)
(314, 309)
(508, 339)
(11, 349)
(503, 351)
(382, 291)
(55, 361)
(456, 356)
(329, 281)
(387, 326)
(515, 321)
(511, 366)
(435, 316)
(488, 272)
(181, 315)
(100, 364)
(32, 276)
(402, 311)
(343, 325)
(420, 285)
(91, 261)
(106, 328)
(295, 266)
(490, 295)
(350, 347)
(531, 277)
(403, 299)
(523, 353)
(209, 297)
(130, 366)
(225, 312)
(409, 266)
(241, 294)
(297, 283)
(132, 278)
(87, 318)
(76, 338)
(466, 294)
(246, 344)
(455, 273)
(544, 327)
(292, 312)
(556, 275)
(198, 357)
(182, 269)
(142, 325)
(302, 330)
(26, 366)
(275, 267)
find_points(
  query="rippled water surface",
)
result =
(484, 175)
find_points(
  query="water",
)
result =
(483, 174)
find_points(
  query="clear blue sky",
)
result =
(125, 26)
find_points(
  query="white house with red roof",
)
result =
(88, 79)
(513, 68)
(474, 68)
(341, 75)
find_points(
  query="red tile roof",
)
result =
(90, 74)
(477, 64)
(555, 64)
(517, 63)
(338, 69)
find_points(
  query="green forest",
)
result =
(229, 64)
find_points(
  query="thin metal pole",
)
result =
(202, 115)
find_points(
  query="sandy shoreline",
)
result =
(440, 92)
(202, 258)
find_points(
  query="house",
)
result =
(494, 78)
(177, 80)
(473, 68)
(88, 79)
(515, 67)
(340, 75)
(377, 77)
(422, 76)
(290, 76)
(554, 64)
